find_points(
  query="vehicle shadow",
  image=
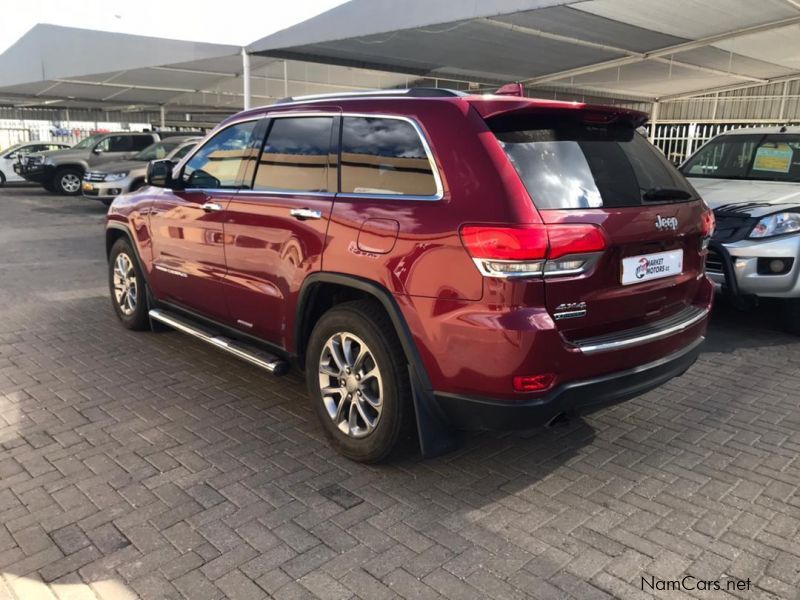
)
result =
(73, 208)
(733, 328)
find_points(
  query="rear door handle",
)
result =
(305, 213)
(211, 207)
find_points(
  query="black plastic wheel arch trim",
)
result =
(436, 437)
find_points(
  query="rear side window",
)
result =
(384, 156)
(295, 155)
(115, 143)
(140, 142)
(566, 164)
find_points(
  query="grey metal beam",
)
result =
(666, 51)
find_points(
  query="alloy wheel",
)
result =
(125, 285)
(70, 183)
(351, 385)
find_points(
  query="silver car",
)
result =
(751, 179)
(119, 177)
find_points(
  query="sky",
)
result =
(236, 22)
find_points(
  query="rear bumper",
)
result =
(581, 396)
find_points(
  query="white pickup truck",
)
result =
(751, 179)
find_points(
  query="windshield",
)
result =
(89, 141)
(771, 157)
(566, 164)
(156, 151)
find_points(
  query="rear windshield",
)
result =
(566, 164)
(772, 157)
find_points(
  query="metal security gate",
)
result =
(13, 135)
(679, 140)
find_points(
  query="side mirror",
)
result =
(159, 173)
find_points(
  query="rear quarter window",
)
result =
(385, 156)
(565, 164)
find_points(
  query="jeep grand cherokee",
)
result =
(431, 259)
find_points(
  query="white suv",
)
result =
(11, 155)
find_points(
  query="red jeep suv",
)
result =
(431, 259)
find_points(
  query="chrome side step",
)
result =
(255, 356)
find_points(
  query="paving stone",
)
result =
(152, 466)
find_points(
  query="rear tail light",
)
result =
(708, 225)
(525, 251)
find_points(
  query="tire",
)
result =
(127, 286)
(137, 185)
(360, 325)
(67, 181)
(2, 179)
(790, 317)
(107, 201)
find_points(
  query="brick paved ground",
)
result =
(147, 465)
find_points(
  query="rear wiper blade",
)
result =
(665, 193)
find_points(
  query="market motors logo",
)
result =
(663, 223)
(641, 268)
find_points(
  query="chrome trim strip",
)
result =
(170, 271)
(479, 262)
(301, 195)
(572, 314)
(266, 361)
(645, 338)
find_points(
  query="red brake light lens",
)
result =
(505, 243)
(534, 383)
(533, 242)
(709, 223)
(575, 239)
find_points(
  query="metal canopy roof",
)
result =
(69, 67)
(648, 49)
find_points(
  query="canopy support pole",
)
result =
(246, 78)
(653, 122)
(163, 116)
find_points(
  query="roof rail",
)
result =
(417, 92)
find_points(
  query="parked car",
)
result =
(14, 154)
(109, 181)
(751, 179)
(431, 259)
(62, 170)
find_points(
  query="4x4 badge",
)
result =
(663, 223)
(570, 310)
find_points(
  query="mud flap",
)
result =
(436, 436)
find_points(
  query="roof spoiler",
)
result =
(511, 89)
